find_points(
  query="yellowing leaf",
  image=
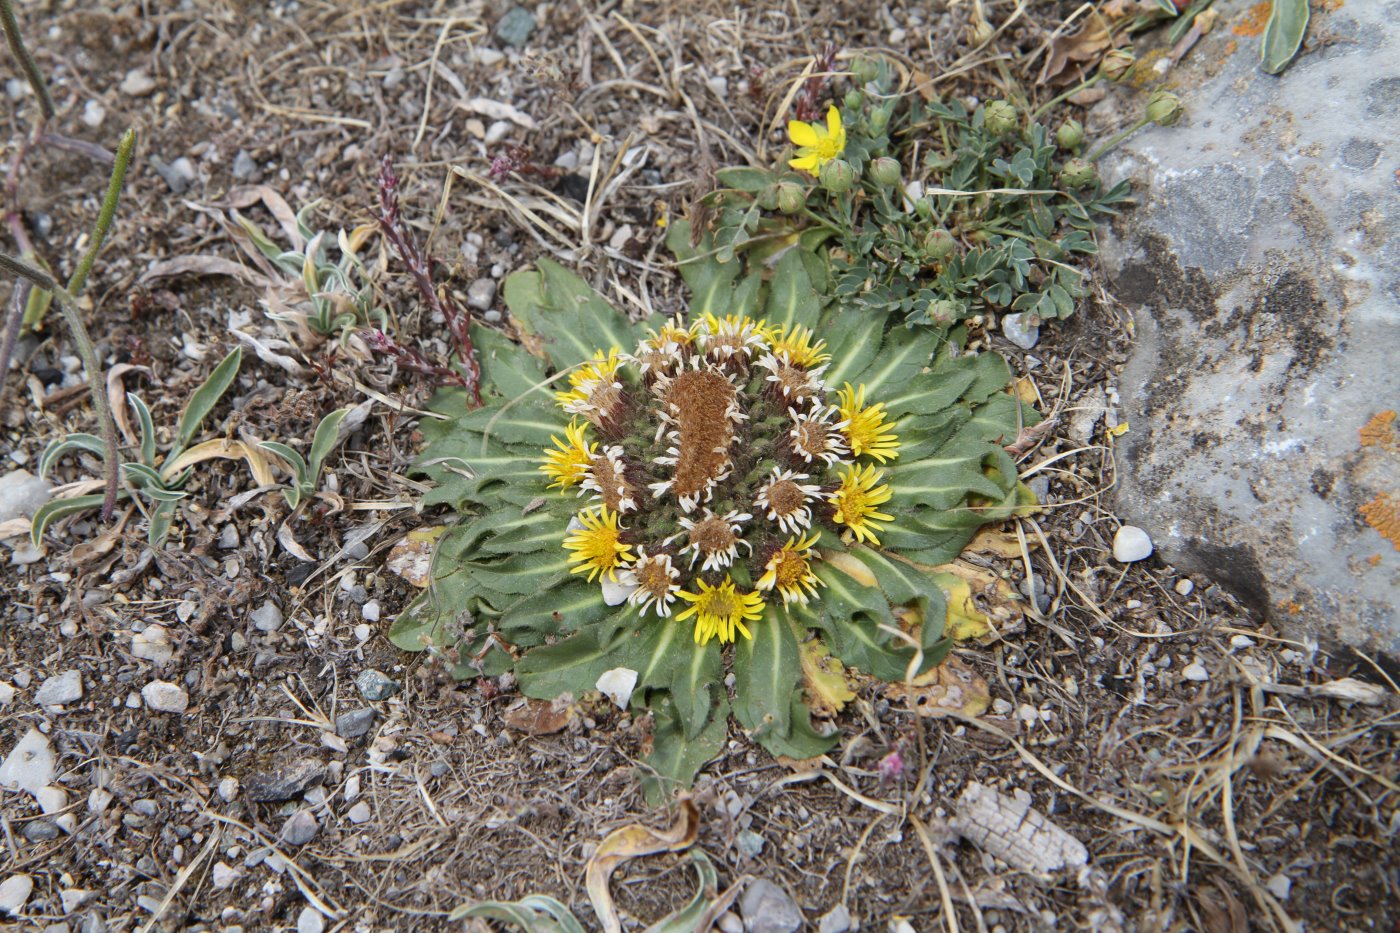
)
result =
(948, 688)
(851, 567)
(631, 842)
(540, 717)
(222, 450)
(964, 620)
(824, 678)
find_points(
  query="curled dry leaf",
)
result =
(204, 265)
(631, 842)
(496, 110)
(412, 557)
(246, 196)
(951, 687)
(223, 450)
(116, 398)
(541, 717)
(288, 540)
(1085, 45)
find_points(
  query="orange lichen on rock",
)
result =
(1383, 514)
(1254, 20)
(1380, 432)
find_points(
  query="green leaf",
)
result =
(767, 670)
(327, 433)
(534, 914)
(804, 740)
(742, 178)
(293, 458)
(204, 399)
(69, 444)
(675, 759)
(688, 919)
(523, 573)
(570, 320)
(696, 681)
(898, 362)
(570, 666)
(853, 339)
(55, 509)
(565, 608)
(711, 281)
(791, 298)
(1167, 7)
(148, 430)
(161, 517)
(1283, 35)
(505, 364)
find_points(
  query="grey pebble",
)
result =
(243, 165)
(40, 831)
(750, 843)
(370, 611)
(267, 617)
(21, 494)
(300, 828)
(355, 723)
(516, 27)
(767, 908)
(288, 782)
(376, 685)
(60, 689)
(178, 174)
(481, 293)
(835, 920)
(1021, 330)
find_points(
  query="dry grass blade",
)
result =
(631, 842)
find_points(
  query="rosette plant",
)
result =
(759, 488)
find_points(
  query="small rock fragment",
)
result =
(225, 875)
(290, 781)
(370, 611)
(767, 908)
(481, 293)
(99, 799)
(51, 799)
(516, 27)
(243, 168)
(310, 921)
(178, 175)
(1021, 329)
(60, 689)
(73, 898)
(228, 538)
(30, 766)
(21, 494)
(165, 697)
(228, 789)
(836, 920)
(153, 644)
(750, 843)
(1195, 671)
(359, 813)
(301, 827)
(1184, 587)
(7, 694)
(376, 685)
(355, 723)
(137, 83)
(1131, 544)
(14, 894)
(267, 617)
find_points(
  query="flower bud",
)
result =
(884, 172)
(1117, 63)
(854, 100)
(1078, 173)
(938, 244)
(982, 32)
(879, 119)
(792, 197)
(837, 176)
(1163, 108)
(1070, 135)
(944, 312)
(865, 70)
(1000, 117)
(924, 208)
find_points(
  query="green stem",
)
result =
(1083, 85)
(105, 215)
(1115, 140)
(88, 355)
(813, 216)
(26, 61)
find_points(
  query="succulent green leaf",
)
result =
(697, 678)
(565, 608)
(148, 430)
(569, 666)
(711, 281)
(767, 669)
(676, 759)
(534, 914)
(1283, 35)
(293, 459)
(569, 319)
(327, 433)
(68, 444)
(505, 365)
(689, 918)
(204, 399)
(55, 509)
(791, 298)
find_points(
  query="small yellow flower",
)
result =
(864, 426)
(801, 350)
(568, 466)
(790, 571)
(721, 611)
(857, 501)
(590, 382)
(817, 144)
(597, 545)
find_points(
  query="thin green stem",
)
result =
(105, 215)
(88, 355)
(1115, 140)
(1083, 85)
(26, 61)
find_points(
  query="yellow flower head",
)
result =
(857, 501)
(864, 426)
(673, 331)
(817, 144)
(592, 385)
(568, 466)
(801, 350)
(790, 571)
(721, 611)
(597, 546)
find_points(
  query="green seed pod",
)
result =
(1078, 173)
(854, 100)
(837, 176)
(1164, 108)
(884, 172)
(1070, 135)
(1117, 63)
(792, 197)
(1000, 117)
(939, 244)
(923, 207)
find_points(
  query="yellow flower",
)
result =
(569, 465)
(799, 346)
(856, 503)
(817, 144)
(590, 383)
(721, 610)
(864, 426)
(790, 571)
(597, 545)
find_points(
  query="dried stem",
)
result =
(26, 61)
(421, 268)
(13, 320)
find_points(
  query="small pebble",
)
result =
(359, 813)
(1195, 671)
(152, 644)
(1184, 587)
(516, 27)
(186, 610)
(1241, 641)
(243, 168)
(60, 689)
(1131, 544)
(228, 538)
(355, 723)
(300, 828)
(375, 685)
(165, 697)
(178, 175)
(7, 694)
(750, 843)
(836, 920)
(225, 875)
(267, 617)
(228, 789)
(481, 293)
(94, 113)
(14, 894)
(363, 632)
(1021, 330)
(310, 921)
(137, 83)
(370, 611)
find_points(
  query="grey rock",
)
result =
(1022, 329)
(137, 83)
(165, 697)
(301, 827)
(41, 831)
(310, 921)
(730, 922)
(30, 764)
(370, 611)
(376, 685)
(287, 782)
(60, 689)
(243, 167)
(835, 920)
(1131, 543)
(359, 813)
(178, 175)
(153, 644)
(355, 723)
(228, 538)
(516, 27)
(14, 894)
(767, 908)
(750, 843)
(21, 494)
(267, 617)
(1263, 269)
(481, 293)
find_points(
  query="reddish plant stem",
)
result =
(421, 268)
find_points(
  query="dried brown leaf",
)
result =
(631, 842)
(540, 717)
(950, 687)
